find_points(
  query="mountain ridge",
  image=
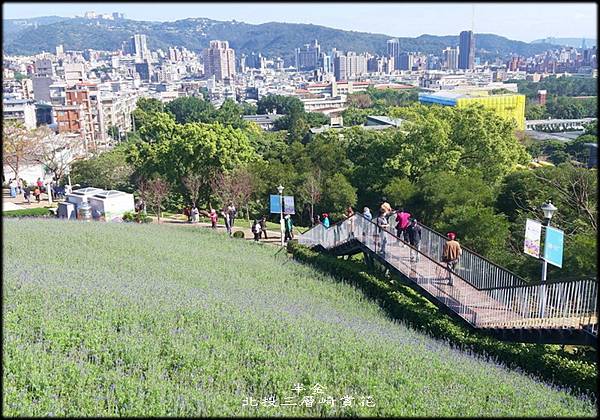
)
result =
(273, 39)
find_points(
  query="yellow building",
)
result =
(509, 105)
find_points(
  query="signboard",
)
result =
(553, 246)
(288, 204)
(275, 203)
(533, 237)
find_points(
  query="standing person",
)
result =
(188, 213)
(317, 220)
(27, 194)
(232, 213)
(225, 214)
(289, 226)
(19, 186)
(385, 206)
(325, 220)
(40, 183)
(37, 193)
(213, 218)
(256, 229)
(403, 219)
(348, 215)
(414, 237)
(68, 189)
(263, 225)
(13, 187)
(382, 225)
(195, 214)
(367, 214)
(451, 254)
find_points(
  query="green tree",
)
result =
(109, 170)
(338, 194)
(535, 112)
(192, 109)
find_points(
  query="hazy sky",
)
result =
(520, 21)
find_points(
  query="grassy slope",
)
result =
(155, 320)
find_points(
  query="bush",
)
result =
(34, 212)
(402, 302)
(238, 234)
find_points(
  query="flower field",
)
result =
(150, 320)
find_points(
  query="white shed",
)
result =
(111, 205)
(81, 195)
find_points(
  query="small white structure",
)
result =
(81, 195)
(67, 211)
(110, 205)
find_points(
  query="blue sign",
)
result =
(275, 203)
(288, 204)
(553, 246)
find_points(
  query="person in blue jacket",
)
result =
(325, 220)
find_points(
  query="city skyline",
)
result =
(524, 21)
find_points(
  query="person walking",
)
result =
(382, 225)
(213, 218)
(27, 194)
(385, 206)
(263, 225)
(232, 213)
(325, 220)
(289, 226)
(19, 186)
(225, 214)
(367, 214)
(414, 237)
(188, 213)
(451, 254)
(37, 193)
(40, 183)
(256, 229)
(403, 219)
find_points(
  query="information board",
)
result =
(553, 246)
(533, 237)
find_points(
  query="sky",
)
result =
(518, 21)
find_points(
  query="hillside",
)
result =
(147, 320)
(568, 42)
(272, 39)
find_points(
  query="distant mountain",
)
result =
(272, 39)
(567, 42)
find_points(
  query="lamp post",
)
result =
(282, 228)
(548, 208)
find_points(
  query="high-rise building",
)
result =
(451, 58)
(393, 50)
(219, 60)
(407, 61)
(137, 47)
(466, 56)
(340, 70)
(307, 58)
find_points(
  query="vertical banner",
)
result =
(275, 203)
(553, 246)
(288, 204)
(533, 237)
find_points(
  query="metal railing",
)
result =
(566, 304)
(477, 270)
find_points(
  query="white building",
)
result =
(21, 110)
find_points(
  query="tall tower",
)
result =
(466, 53)
(219, 60)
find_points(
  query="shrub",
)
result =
(402, 302)
(33, 212)
(238, 234)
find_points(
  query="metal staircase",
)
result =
(484, 295)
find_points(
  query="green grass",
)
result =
(153, 320)
(32, 212)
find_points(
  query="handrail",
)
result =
(470, 263)
(556, 304)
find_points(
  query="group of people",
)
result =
(17, 186)
(408, 232)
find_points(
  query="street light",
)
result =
(280, 191)
(548, 208)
